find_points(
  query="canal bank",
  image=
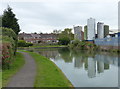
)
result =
(97, 45)
(109, 43)
(85, 68)
(48, 74)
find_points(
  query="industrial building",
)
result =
(85, 32)
(119, 15)
(90, 29)
(100, 30)
(106, 30)
(78, 33)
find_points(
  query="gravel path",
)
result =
(26, 76)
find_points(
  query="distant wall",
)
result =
(112, 41)
(108, 43)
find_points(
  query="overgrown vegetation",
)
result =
(83, 45)
(65, 36)
(17, 63)
(9, 30)
(22, 43)
(64, 40)
(9, 45)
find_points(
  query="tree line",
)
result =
(10, 29)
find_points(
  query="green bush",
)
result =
(76, 44)
(29, 44)
(64, 41)
(9, 45)
(8, 32)
(9, 35)
(22, 43)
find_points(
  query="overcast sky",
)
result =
(48, 15)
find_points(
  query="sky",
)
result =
(48, 15)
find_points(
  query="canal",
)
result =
(84, 68)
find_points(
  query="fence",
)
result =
(112, 41)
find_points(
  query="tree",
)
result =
(64, 40)
(68, 33)
(0, 20)
(56, 31)
(10, 21)
(66, 36)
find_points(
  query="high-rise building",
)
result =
(90, 29)
(85, 32)
(119, 15)
(78, 33)
(106, 30)
(100, 30)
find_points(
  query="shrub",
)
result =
(76, 44)
(22, 43)
(6, 55)
(9, 45)
(29, 44)
(8, 35)
(64, 41)
(8, 32)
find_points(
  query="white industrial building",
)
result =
(91, 29)
(100, 30)
(119, 15)
(77, 33)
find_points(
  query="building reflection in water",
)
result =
(92, 62)
(100, 67)
(78, 63)
(91, 67)
(97, 64)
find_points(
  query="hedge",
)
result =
(22, 43)
(9, 45)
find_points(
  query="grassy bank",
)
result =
(109, 49)
(82, 45)
(15, 66)
(0, 78)
(47, 46)
(48, 74)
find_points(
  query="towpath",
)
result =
(26, 76)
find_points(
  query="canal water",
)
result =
(85, 68)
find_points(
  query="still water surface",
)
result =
(84, 68)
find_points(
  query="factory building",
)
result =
(100, 30)
(106, 30)
(78, 33)
(85, 32)
(90, 29)
(119, 15)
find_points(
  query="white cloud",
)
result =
(47, 15)
(58, 1)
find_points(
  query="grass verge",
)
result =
(15, 66)
(48, 74)
(45, 46)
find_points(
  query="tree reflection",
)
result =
(65, 54)
(91, 61)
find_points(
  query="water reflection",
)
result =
(92, 62)
(87, 65)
